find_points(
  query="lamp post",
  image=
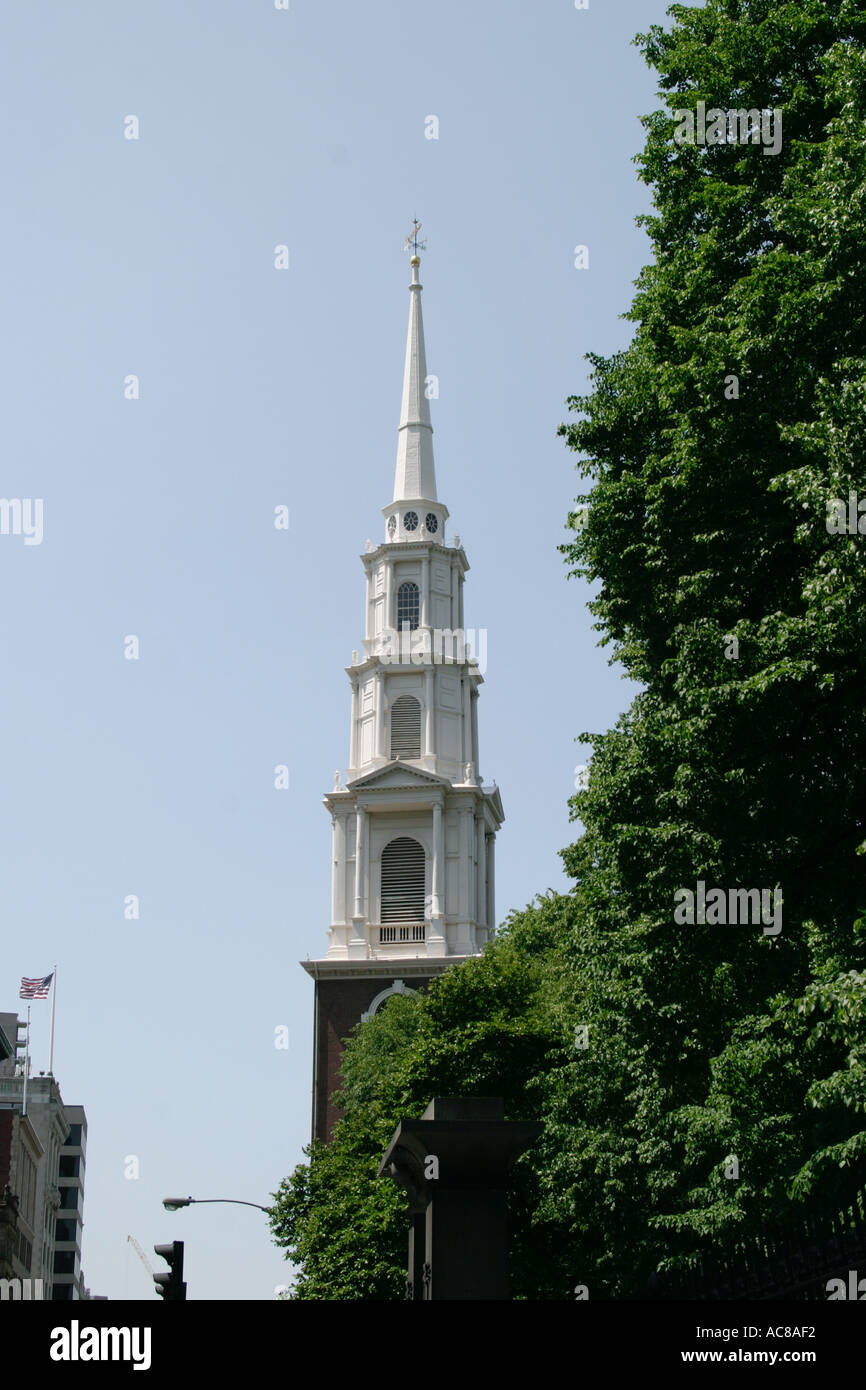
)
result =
(173, 1287)
(173, 1203)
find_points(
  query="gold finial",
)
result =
(416, 244)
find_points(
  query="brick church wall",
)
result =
(339, 1005)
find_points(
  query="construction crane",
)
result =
(141, 1255)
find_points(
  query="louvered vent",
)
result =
(403, 881)
(406, 728)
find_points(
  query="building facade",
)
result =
(21, 1155)
(68, 1281)
(41, 1174)
(414, 825)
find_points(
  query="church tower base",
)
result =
(344, 995)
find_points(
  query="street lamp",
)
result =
(173, 1203)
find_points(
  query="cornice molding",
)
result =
(401, 968)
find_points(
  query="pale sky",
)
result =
(154, 777)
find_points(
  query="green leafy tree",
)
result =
(715, 445)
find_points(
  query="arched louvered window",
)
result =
(406, 728)
(408, 605)
(403, 881)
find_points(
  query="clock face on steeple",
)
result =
(392, 525)
(431, 523)
(410, 521)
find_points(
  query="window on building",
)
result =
(64, 1230)
(27, 1183)
(403, 881)
(64, 1261)
(406, 728)
(408, 605)
(25, 1252)
(74, 1140)
(69, 1199)
(69, 1165)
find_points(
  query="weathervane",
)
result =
(412, 239)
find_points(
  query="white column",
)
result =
(380, 714)
(455, 604)
(389, 595)
(438, 862)
(463, 937)
(353, 735)
(425, 592)
(460, 599)
(467, 720)
(436, 943)
(491, 874)
(481, 871)
(335, 873)
(358, 948)
(339, 895)
(428, 713)
(360, 849)
(365, 868)
(466, 863)
(475, 757)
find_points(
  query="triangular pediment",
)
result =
(398, 774)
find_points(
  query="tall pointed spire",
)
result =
(415, 475)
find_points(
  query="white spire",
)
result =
(415, 475)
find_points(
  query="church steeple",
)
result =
(414, 826)
(415, 513)
(415, 474)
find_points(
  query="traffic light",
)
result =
(171, 1286)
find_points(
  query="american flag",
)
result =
(36, 989)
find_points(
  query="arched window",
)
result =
(406, 728)
(398, 987)
(403, 881)
(408, 605)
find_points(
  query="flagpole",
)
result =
(26, 1062)
(51, 1033)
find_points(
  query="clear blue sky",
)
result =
(260, 387)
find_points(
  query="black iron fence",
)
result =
(796, 1259)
